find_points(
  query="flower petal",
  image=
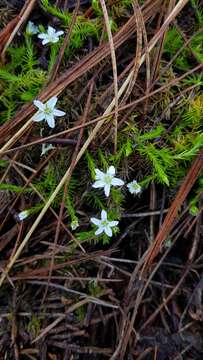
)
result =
(99, 174)
(50, 120)
(117, 182)
(39, 116)
(31, 28)
(113, 223)
(51, 31)
(111, 170)
(42, 36)
(57, 112)
(45, 41)
(98, 184)
(52, 102)
(104, 215)
(107, 190)
(59, 33)
(39, 105)
(95, 221)
(54, 39)
(130, 188)
(23, 215)
(108, 231)
(99, 230)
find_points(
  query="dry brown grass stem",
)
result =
(106, 116)
(136, 66)
(114, 67)
(186, 186)
(65, 45)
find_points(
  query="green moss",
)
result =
(174, 41)
(21, 79)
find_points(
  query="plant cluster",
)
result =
(165, 151)
(73, 180)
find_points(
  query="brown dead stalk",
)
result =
(173, 212)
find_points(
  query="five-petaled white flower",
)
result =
(31, 28)
(47, 111)
(106, 180)
(51, 36)
(134, 187)
(104, 225)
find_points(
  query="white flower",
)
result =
(46, 148)
(31, 28)
(134, 187)
(51, 36)
(104, 225)
(47, 111)
(106, 180)
(74, 224)
(23, 215)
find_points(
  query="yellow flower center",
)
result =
(104, 223)
(47, 110)
(107, 179)
(136, 186)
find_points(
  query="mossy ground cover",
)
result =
(101, 214)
